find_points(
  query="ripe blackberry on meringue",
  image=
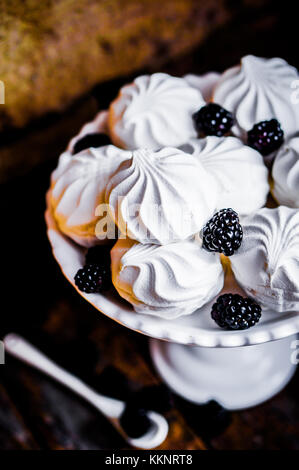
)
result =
(154, 111)
(166, 281)
(212, 119)
(267, 264)
(93, 278)
(234, 312)
(266, 136)
(223, 233)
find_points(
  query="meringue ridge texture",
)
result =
(285, 174)
(267, 264)
(78, 188)
(166, 280)
(154, 111)
(238, 169)
(161, 197)
(257, 90)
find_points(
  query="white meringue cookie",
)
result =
(285, 174)
(259, 89)
(161, 197)
(238, 169)
(166, 281)
(154, 111)
(267, 264)
(204, 83)
(78, 187)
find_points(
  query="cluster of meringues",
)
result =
(156, 160)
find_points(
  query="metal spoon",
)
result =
(109, 407)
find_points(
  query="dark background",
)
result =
(38, 302)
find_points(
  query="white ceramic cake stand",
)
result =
(195, 357)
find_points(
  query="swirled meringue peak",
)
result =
(259, 89)
(167, 281)
(161, 197)
(238, 169)
(204, 83)
(267, 264)
(78, 188)
(285, 174)
(154, 111)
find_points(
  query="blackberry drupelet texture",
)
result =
(223, 233)
(234, 312)
(266, 136)
(93, 278)
(91, 140)
(212, 119)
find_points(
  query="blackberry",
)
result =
(234, 312)
(212, 119)
(91, 140)
(223, 233)
(265, 136)
(99, 254)
(134, 421)
(93, 278)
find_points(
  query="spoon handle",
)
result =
(23, 350)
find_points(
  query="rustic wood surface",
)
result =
(37, 413)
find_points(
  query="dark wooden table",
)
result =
(35, 412)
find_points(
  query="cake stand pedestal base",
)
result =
(235, 377)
